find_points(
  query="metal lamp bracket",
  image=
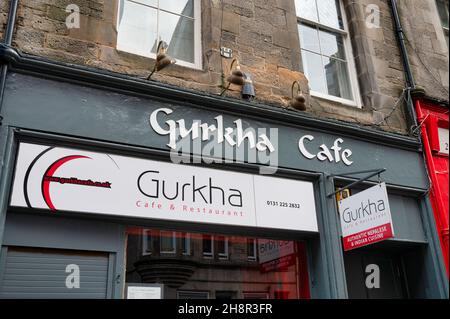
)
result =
(296, 84)
(233, 62)
(372, 172)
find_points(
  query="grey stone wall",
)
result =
(427, 48)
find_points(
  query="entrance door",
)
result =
(42, 273)
(391, 274)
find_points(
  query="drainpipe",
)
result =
(410, 83)
(8, 35)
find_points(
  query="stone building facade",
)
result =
(264, 37)
(76, 86)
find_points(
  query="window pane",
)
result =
(222, 245)
(167, 241)
(207, 244)
(330, 13)
(338, 82)
(185, 244)
(148, 241)
(307, 9)
(178, 32)
(443, 12)
(137, 29)
(153, 3)
(309, 38)
(251, 248)
(312, 64)
(184, 7)
(332, 45)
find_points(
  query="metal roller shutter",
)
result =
(41, 273)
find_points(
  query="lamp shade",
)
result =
(248, 90)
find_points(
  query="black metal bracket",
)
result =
(372, 172)
(8, 54)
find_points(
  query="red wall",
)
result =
(433, 116)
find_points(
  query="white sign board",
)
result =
(63, 179)
(443, 140)
(144, 292)
(366, 217)
(288, 201)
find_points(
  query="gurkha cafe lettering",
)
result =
(234, 136)
(181, 135)
(323, 153)
(61, 179)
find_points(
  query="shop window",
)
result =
(167, 242)
(251, 249)
(280, 271)
(442, 6)
(326, 50)
(208, 246)
(143, 23)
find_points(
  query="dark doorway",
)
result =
(398, 272)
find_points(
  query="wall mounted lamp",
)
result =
(248, 90)
(298, 101)
(162, 58)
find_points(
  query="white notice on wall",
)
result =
(144, 292)
(443, 140)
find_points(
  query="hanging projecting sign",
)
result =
(366, 217)
(63, 179)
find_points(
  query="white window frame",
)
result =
(197, 35)
(145, 244)
(174, 242)
(356, 102)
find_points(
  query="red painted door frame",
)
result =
(432, 117)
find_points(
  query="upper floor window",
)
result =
(215, 245)
(208, 246)
(222, 247)
(167, 242)
(442, 6)
(147, 242)
(185, 243)
(143, 23)
(252, 247)
(326, 51)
